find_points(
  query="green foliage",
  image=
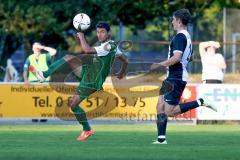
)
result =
(24, 20)
(32, 19)
(211, 24)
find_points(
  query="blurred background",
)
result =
(146, 23)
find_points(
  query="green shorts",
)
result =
(85, 91)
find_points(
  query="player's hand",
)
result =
(79, 28)
(214, 44)
(217, 45)
(120, 76)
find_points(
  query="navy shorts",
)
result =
(173, 97)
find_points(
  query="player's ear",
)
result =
(109, 34)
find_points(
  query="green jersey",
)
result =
(96, 68)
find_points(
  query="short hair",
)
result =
(184, 15)
(36, 43)
(103, 24)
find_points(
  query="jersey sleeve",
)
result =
(26, 65)
(179, 43)
(103, 49)
(118, 52)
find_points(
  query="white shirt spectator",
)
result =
(11, 74)
(213, 64)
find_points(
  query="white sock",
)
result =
(199, 102)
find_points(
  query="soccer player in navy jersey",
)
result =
(180, 51)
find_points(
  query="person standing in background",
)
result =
(213, 64)
(11, 74)
(39, 60)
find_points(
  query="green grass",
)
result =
(201, 142)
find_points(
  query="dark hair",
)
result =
(104, 25)
(184, 15)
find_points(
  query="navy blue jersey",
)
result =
(182, 43)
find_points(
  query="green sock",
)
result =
(53, 67)
(81, 117)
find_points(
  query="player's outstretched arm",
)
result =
(85, 46)
(173, 60)
(124, 65)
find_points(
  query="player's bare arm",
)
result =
(171, 61)
(85, 46)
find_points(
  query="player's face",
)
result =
(175, 23)
(36, 49)
(102, 34)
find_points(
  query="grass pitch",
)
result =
(201, 142)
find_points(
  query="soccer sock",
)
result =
(190, 105)
(53, 67)
(161, 126)
(81, 117)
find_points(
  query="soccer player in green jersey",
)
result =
(93, 73)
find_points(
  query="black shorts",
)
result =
(212, 81)
(173, 97)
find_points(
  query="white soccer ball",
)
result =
(81, 22)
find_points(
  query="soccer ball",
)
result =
(81, 22)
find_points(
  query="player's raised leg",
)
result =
(52, 68)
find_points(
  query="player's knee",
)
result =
(73, 102)
(160, 104)
(169, 111)
(160, 108)
(169, 114)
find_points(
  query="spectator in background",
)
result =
(11, 74)
(213, 64)
(39, 60)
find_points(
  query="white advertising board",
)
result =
(226, 97)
